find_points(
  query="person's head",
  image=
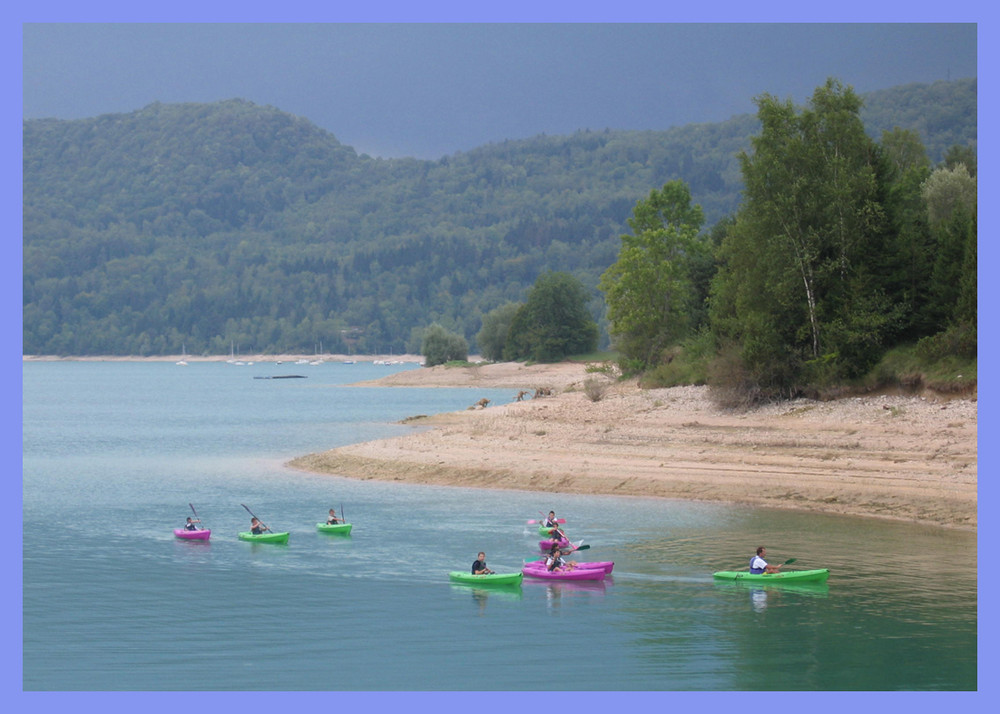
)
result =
(189, 519)
(253, 519)
(331, 511)
(761, 550)
(556, 552)
(552, 514)
(482, 556)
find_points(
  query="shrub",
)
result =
(440, 346)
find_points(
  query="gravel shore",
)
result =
(891, 456)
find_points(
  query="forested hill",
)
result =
(206, 225)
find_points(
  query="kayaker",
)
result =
(758, 565)
(190, 525)
(551, 521)
(479, 566)
(557, 536)
(333, 520)
(256, 527)
(555, 561)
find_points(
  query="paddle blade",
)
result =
(790, 560)
(584, 547)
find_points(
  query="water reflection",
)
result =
(480, 595)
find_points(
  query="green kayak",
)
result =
(792, 576)
(338, 528)
(265, 537)
(462, 576)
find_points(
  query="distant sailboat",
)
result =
(182, 362)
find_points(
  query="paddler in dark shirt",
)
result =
(479, 566)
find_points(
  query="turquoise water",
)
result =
(113, 453)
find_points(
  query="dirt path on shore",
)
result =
(891, 456)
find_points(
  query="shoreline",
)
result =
(327, 357)
(890, 456)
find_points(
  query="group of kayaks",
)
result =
(585, 570)
(537, 569)
(598, 570)
(267, 536)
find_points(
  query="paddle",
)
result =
(258, 520)
(196, 515)
(790, 560)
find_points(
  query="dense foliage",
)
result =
(651, 289)
(841, 248)
(230, 224)
(440, 346)
(553, 323)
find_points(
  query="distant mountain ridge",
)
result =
(207, 224)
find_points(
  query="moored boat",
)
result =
(337, 528)
(462, 576)
(264, 537)
(573, 574)
(200, 534)
(800, 576)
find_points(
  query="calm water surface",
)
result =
(113, 453)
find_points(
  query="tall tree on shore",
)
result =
(801, 288)
(553, 323)
(650, 289)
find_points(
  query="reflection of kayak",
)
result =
(792, 576)
(265, 537)
(575, 574)
(461, 576)
(338, 528)
(200, 534)
(814, 588)
(606, 565)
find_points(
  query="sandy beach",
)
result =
(904, 457)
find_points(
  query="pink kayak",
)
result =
(606, 565)
(548, 543)
(200, 534)
(575, 574)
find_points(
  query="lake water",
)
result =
(113, 453)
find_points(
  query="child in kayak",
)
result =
(479, 566)
(551, 521)
(758, 565)
(190, 525)
(555, 561)
(333, 520)
(256, 527)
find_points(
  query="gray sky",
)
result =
(427, 90)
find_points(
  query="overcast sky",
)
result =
(427, 90)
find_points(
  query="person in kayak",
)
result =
(556, 535)
(758, 565)
(256, 527)
(479, 566)
(190, 525)
(555, 561)
(333, 520)
(550, 521)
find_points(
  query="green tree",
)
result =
(440, 346)
(650, 289)
(492, 338)
(801, 290)
(948, 190)
(553, 323)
